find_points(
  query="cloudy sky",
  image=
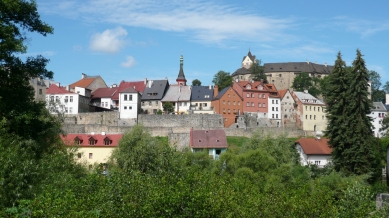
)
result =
(135, 39)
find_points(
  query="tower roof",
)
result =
(181, 75)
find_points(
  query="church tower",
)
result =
(181, 77)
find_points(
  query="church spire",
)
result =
(181, 77)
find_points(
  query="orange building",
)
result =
(228, 103)
(255, 96)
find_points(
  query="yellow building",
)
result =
(93, 148)
(310, 111)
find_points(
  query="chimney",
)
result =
(150, 83)
(262, 82)
(114, 85)
(134, 88)
(307, 61)
(145, 81)
(236, 80)
(210, 86)
(325, 64)
(58, 84)
(215, 91)
(68, 87)
(102, 133)
(83, 75)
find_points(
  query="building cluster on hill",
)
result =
(274, 102)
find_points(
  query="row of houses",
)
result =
(254, 98)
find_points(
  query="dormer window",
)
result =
(248, 87)
(92, 141)
(107, 141)
(260, 87)
(77, 140)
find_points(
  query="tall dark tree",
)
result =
(27, 131)
(196, 82)
(386, 87)
(222, 80)
(349, 126)
(304, 82)
(258, 71)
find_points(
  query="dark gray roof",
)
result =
(181, 75)
(241, 71)
(221, 93)
(199, 93)
(379, 106)
(155, 89)
(298, 67)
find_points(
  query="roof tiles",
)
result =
(315, 146)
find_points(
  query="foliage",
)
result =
(168, 107)
(222, 80)
(386, 87)
(377, 95)
(349, 126)
(305, 82)
(196, 82)
(159, 112)
(258, 71)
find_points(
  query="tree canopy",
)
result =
(168, 107)
(258, 71)
(196, 82)
(305, 82)
(222, 80)
(377, 94)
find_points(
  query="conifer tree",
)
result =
(336, 114)
(349, 126)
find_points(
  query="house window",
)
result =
(314, 117)
(185, 104)
(130, 97)
(310, 108)
(125, 97)
(228, 102)
(143, 103)
(228, 95)
(79, 155)
(306, 117)
(272, 101)
(51, 98)
(263, 95)
(272, 108)
(252, 104)
(40, 91)
(66, 109)
(272, 116)
(71, 98)
(238, 102)
(252, 95)
(277, 116)
(259, 104)
(125, 107)
(317, 162)
(57, 98)
(314, 108)
(156, 103)
(92, 141)
(228, 110)
(107, 141)
(90, 155)
(224, 102)
(248, 104)
(248, 95)
(263, 104)
(276, 108)
(66, 99)
(276, 101)
(233, 102)
(70, 110)
(310, 117)
(130, 107)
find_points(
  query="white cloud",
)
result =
(363, 27)
(130, 62)
(202, 21)
(109, 41)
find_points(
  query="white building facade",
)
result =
(129, 101)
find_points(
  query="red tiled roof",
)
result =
(208, 139)
(253, 85)
(83, 83)
(54, 90)
(139, 86)
(272, 89)
(84, 137)
(104, 92)
(315, 146)
(128, 89)
(282, 92)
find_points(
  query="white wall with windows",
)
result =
(274, 109)
(63, 103)
(377, 117)
(181, 106)
(129, 104)
(318, 159)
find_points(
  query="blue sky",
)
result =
(135, 39)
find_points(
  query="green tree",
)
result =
(168, 107)
(377, 95)
(196, 82)
(258, 71)
(349, 126)
(222, 80)
(386, 87)
(304, 82)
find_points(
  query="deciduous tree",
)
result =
(258, 71)
(304, 82)
(222, 80)
(196, 82)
